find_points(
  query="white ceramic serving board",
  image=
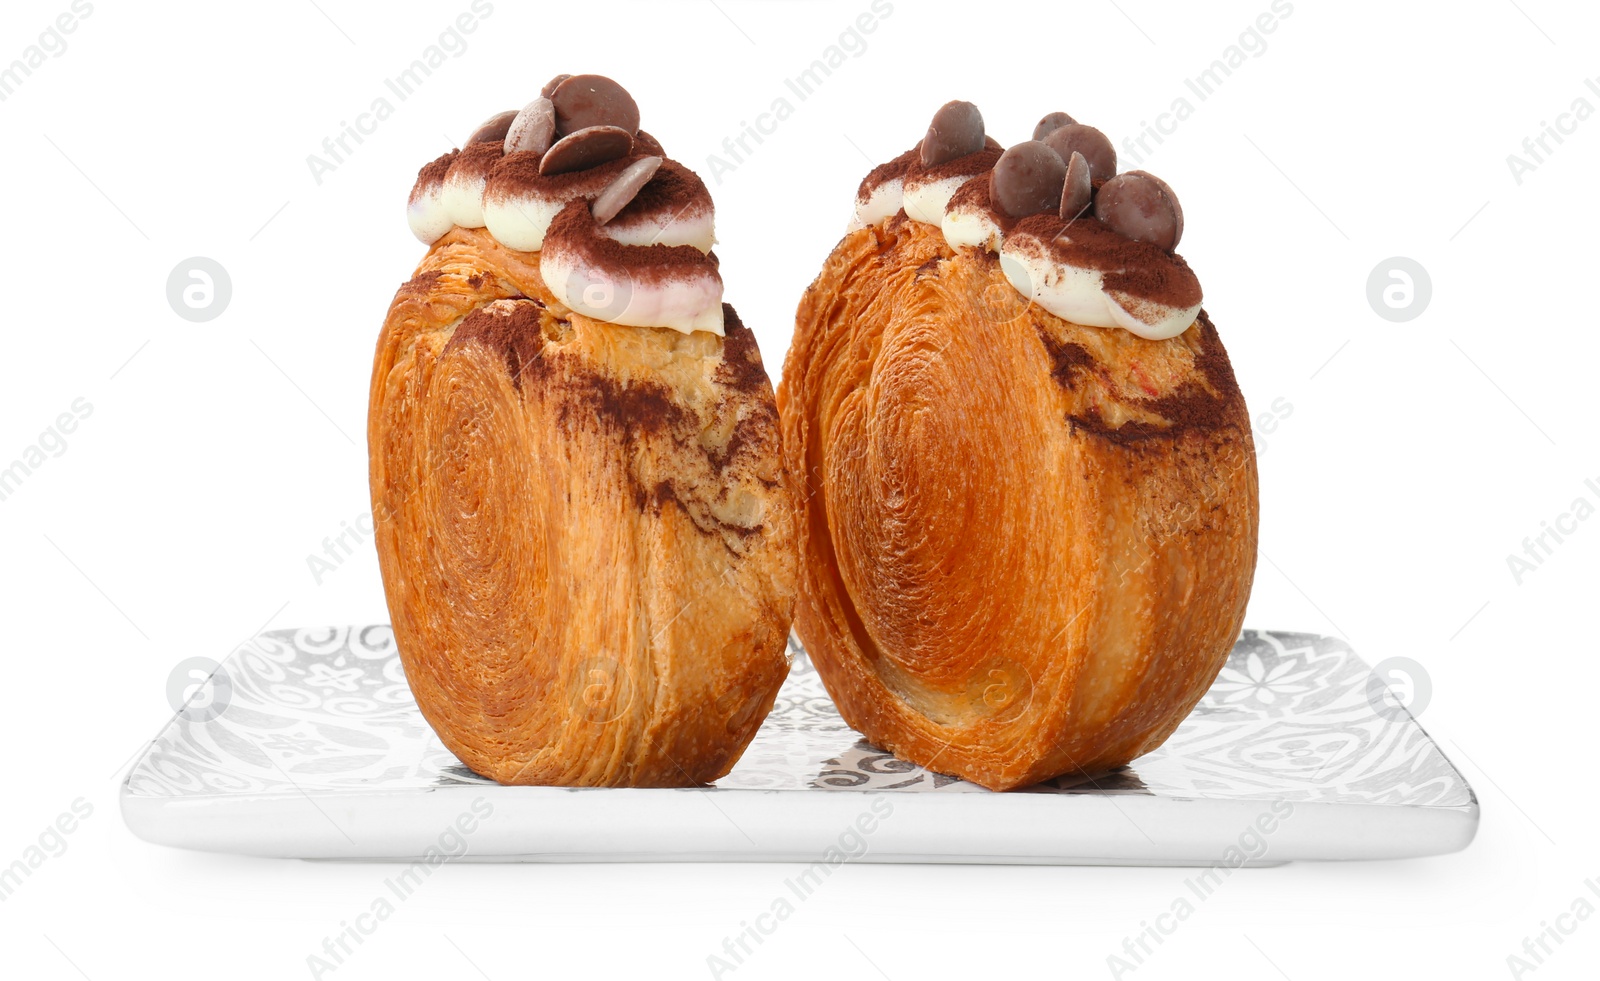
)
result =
(309, 745)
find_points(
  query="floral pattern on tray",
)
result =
(320, 711)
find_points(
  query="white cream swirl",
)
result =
(1040, 269)
(630, 271)
(677, 287)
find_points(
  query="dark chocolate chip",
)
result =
(1078, 190)
(588, 147)
(493, 129)
(956, 130)
(1049, 124)
(1142, 207)
(534, 128)
(593, 100)
(1076, 137)
(645, 143)
(1027, 180)
(550, 86)
(623, 189)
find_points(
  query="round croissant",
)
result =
(1026, 544)
(585, 537)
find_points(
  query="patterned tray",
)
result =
(302, 742)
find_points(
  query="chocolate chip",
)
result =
(1049, 124)
(1142, 207)
(1078, 190)
(550, 86)
(494, 128)
(1076, 137)
(956, 130)
(645, 143)
(1027, 179)
(624, 189)
(534, 128)
(593, 100)
(588, 147)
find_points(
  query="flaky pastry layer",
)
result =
(1026, 545)
(585, 537)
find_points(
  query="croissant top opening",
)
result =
(1086, 243)
(580, 141)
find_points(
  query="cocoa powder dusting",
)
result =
(975, 194)
(574, 228)
(477, 159)
(741, 368)
(518, 173)
(674, 187)
(507, 328)
(886, 172)
(1193, 407)
(973, 163)
(421, 284)
(1066, 359)
(431, 174)
(1137, 268)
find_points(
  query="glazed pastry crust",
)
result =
(585, 537)
(1026, 545)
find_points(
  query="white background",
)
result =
(179, 519)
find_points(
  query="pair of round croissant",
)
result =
(1015, 543)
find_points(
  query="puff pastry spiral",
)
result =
(585, 538)
(1026, 544)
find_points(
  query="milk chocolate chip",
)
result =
(956, 130)
(550, 86)
(624, 189)
(1076, 137)
(1142, 207)
(1027, 179)
(1077, 192)
(1051, 123)
(494, 128)
(588, 147)
(582, 101)
(534, 128)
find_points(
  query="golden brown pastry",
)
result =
(1027, 539)
(585, 537)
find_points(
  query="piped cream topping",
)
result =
(881, 202)
(648, 266)
(674, 208)
(462, 193)
(1084, 272)
(634, 285)
(519, 203)
(1081, 271)
(925, 200)
(425, 211)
